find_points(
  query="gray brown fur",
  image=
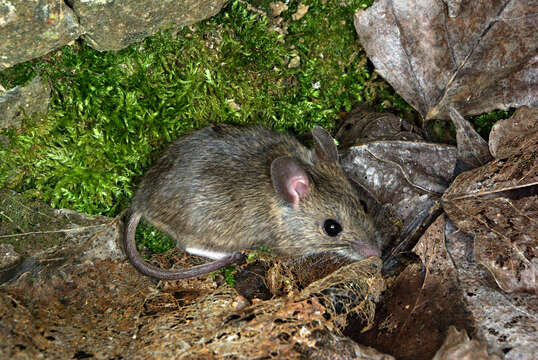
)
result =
(213, 189)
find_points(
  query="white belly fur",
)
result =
(215, 255)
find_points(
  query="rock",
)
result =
(32, 28)
(113, 25)
(23, 101)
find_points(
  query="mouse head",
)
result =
(319, 210)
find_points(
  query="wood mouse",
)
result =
(224, 188)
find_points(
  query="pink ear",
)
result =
(290, 181)
(297, 187)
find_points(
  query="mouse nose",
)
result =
(367, 250)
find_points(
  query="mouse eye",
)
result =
(332, 227)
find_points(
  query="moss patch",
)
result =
(483, 123)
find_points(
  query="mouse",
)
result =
(225, 188)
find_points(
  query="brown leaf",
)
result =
(363, 125)
(406, 174)
(507, 322)
(47, 238)
(458, 346)
(498, 202)
(406, 177)
(476, 56)
(473, 151)
(421, 305)
(516, 134)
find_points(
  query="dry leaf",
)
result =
(409, 175)
(363, 125)
(458, 346)
(421, 304)
(401, 181)
(508, 322)
(476, 56)
(515, 134)
(103, 309)
(301, 11)
(498, 202)
(472, 149)
(277, 8)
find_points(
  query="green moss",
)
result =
(149, 237)
(19, 75)
(228, 272)
(483, 123)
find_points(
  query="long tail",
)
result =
(141, 265)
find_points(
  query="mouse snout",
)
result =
(366, 250)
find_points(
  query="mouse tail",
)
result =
(142, 266)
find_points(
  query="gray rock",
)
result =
(112, 25)
(23, 101)
(32, 28)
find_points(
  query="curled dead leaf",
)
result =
(363, 125)
(515, 134)
(302, 9)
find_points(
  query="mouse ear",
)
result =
(324, 146)
(289, 179)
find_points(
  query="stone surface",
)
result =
(32, 28)
(112, 25)
(23, 101)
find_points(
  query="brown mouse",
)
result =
(223, 189)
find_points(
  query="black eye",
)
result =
(332, 227)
